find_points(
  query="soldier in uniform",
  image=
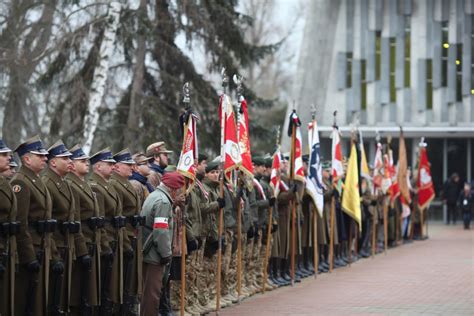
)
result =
(35, 245)
(138, 179)
(112, 235)
(11, 170)
(85, 278)
(159, 153)
(68, 233)
(157, 236)
(131, 207)
(209, 211)
(274, 275)
(264, 200)
(9, 227)
(328, 194)
(308, 208)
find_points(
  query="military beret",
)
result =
(157, 148)
(32, 145)
(268, 162)
(213, 165)
(104, 155)
(202, 157)
(4, 148)
(173, 180)
(258, 161)
(124, 156)
(305, 158)
(78, 153)
(286, 156)
(58, 149)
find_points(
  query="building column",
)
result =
(469, 155)
(445, 175)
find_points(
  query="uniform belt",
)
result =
(117, 221)
(45, 226)
(70, 227)
(95, 222)
(9, 228)
(136, 220)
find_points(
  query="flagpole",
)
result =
(186, 101)
(238, 81)
(385, 223)
(293, 202)
(225, 81)
(315, 210)
(331, 219)
(374, 228)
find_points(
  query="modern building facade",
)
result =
(382, 64)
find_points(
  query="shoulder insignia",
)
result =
(16, 188)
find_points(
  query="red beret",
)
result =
(173, 180)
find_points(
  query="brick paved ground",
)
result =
(432, 277)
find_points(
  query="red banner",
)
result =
(424, 183)
(231, 150)
(244, 140)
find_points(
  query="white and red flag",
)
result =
(189, 151)
(275, 179)
(231, 152)
(296, 159)
(378, 168)
(424, 183)
(337, 171)
(244, 139)
(394, 190)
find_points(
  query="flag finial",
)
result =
(186, 95)
(225, 79)
(334, 119)
(313, 111)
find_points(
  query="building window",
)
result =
(444, 53)
(406, 80)
(363, 85)
(378, 54)
(472, 57)
(459, 72)
(393, 90)
(429, 84)
(348, 70)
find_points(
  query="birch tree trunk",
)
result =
(100, 75)
(132, 136)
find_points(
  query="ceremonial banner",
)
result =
(314, 185)
(337, 171)
(231, 151)
(189, 151)
(296, 148)
(275, 174)
(424, 182)
(403, 170)
(378, 168)
(364, 167)
(244, 140)
(350, 195)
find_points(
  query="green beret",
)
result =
(327, 164)
(268, 162)
(258, 161)
(213, 165)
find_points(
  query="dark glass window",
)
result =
(429, 84)
(444, 53)
(393, 90)
(378, 54)
(406, 80)
(363, 85)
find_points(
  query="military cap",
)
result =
(305, 158)
(78, 153)
(286, 156)
(202, 157)
(58, 149)
(326, 164)
(258, 161)
(4, 148)
(213, 165)
(32, 145)
(124, 156)
(140, 158)
(104, 155)
(157, 148)
(13, 163)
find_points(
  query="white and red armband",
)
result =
(160, 223)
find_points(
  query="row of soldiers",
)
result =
(103, 235)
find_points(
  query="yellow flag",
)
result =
(350, 195)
